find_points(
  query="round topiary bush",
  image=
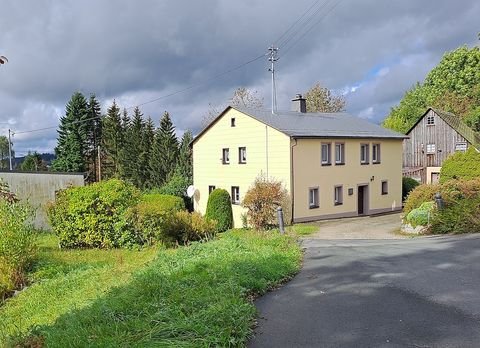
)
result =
(219, 208)
(408, 184)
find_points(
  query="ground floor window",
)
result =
(211, 188)
(313, 197)
(338, 195)
(235, 195)
(384, 187)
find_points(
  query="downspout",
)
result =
(266, 147)
(292, 178)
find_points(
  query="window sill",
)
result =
(225, 163)
(235, 203)
(326, 164)
(313, 206)
(242, 162)
(338, 203)
(384, 193)
(376, 162)
(340, 164)
(364, 163)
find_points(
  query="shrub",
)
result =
(461, 165)
(183, 227)
(262, 201)
(408, 184)
(177, 186)
(421, 215)
(17, 244)
(147, 217)
(94, 215)
(420, 194)
(219, 209)
(461, 213)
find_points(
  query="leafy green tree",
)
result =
(33, 162)
(453, 86)
(71, 149)
(112, 140)
(4, 154)
(321, 99)
(164, 152)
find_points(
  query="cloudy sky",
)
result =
(137, 51)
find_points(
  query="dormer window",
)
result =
(430, 120)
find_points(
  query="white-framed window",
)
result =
(326, 153)
(232, 122)
(235, 195)
(226, 156)
(430, 120)
(338, 195)
(242, 155)
(376, 153)
(364, 154)
(431, 148)
(211, 188)
(339, 153)
(384, 187)
(461, 146)
(313, 197)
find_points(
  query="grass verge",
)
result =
(192, 296)
(303, 229)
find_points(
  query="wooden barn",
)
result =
(435, 136)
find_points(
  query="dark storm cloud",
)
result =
(137, 51)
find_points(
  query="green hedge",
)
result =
(219, 209)
(94, 215)
(461, 165)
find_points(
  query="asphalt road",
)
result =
(422, 292)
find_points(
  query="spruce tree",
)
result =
(148, 136)
(184, 163)
(124, 163)
(94, 136)
(112, 139)
(135, 149)
(164, 152)
(72, 136)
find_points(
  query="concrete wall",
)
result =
(309, 172)
(268, 152)
(39, 189)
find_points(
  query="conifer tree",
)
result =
(134, 149)
(72, 136)
(184, 163)
(112, 139)
(124, 164)
(148, 136)
(94, 136)
(164, 152)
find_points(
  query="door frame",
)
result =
(366, 200)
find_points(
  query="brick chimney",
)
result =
(299, 104)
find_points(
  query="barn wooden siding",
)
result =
(441, 134)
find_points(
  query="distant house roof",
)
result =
(315, 124)
(457, 124)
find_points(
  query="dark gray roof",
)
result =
(331, 125)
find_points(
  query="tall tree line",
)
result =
(120, 145)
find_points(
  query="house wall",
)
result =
(39, 188)
(441, 134)
(268, 152)
(309, 172)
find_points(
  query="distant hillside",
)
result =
(47, 157)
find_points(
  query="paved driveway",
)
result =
(422, 292)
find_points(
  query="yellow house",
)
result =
(332, 164)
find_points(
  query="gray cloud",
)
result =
(138, 51)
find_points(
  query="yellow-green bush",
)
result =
(17, 245)
(420, 194)
(95, 215)
(421, 216)
(461, 165)
(184, 227)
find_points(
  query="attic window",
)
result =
(430, 120)
(232, 122)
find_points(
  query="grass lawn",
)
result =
(190, 296)
(303, 229)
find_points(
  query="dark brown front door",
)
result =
(362, 197)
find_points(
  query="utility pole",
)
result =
(10, 133)
(272, 58)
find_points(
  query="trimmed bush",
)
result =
(461, 165)
(420, 194)
(17, 244)
(94, 215)
(421, 215)
(262, 201)
(408, 184)
(184, 227)
(177, 186)
(219, 209)
(148, 216)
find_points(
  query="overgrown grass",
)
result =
(64, 280)
(191, 296)
(303, 229)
